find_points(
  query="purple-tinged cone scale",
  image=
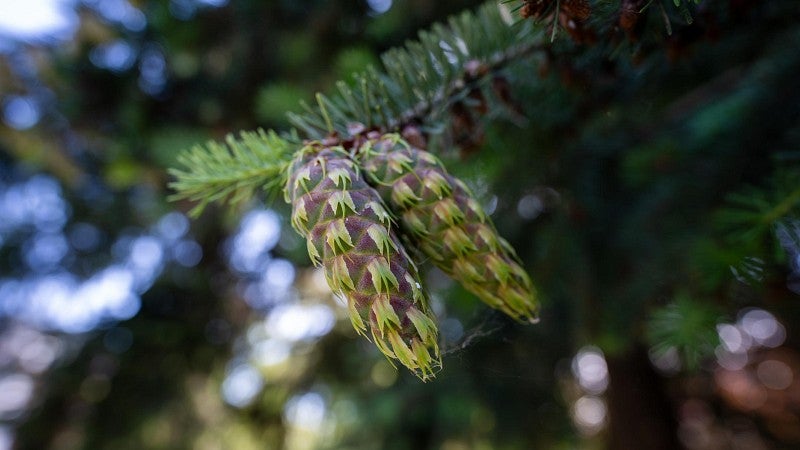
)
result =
(350, 234)
(448, 225)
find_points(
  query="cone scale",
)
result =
(448, 225)
(350, 234)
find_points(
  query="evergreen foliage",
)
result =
(753, 212)
(427, 82)
(451, 80)
(648, 182)
(233, 171)
(419, 83)
(687, 326)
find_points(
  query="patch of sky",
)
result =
(37, 20)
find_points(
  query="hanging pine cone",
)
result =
(349, 232)
(448, 224)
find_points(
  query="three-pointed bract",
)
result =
(350, 234)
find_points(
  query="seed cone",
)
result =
(448, 225)
(350, 233)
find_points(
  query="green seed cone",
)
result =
(350, 233)
(448, 225)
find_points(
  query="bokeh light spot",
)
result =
(305, 411)
(152, 70)
(762, 327)
(19, 112)
(116, 56)
(529, 207)
(731, 360)
(43, 252)
(121, 12)
(258, 233)
(279, 274)
(667, 361)
(241, 385)
(775, 374)
(589, 367)
(491, 206)
(379, 6)
(589, 414)
(172, 226)
(733, 339)
(17, 389)
(187, 253)
(6, 438)
(383, 374)
(271, 352)
(452, 329)
(299, 322)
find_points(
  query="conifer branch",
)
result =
(425, 77)
(432, 82)
(684, 325)
(233, 170)
(419, 83)
(754, 212)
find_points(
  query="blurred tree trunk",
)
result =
(641, 414)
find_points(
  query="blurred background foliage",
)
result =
(653, 193)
